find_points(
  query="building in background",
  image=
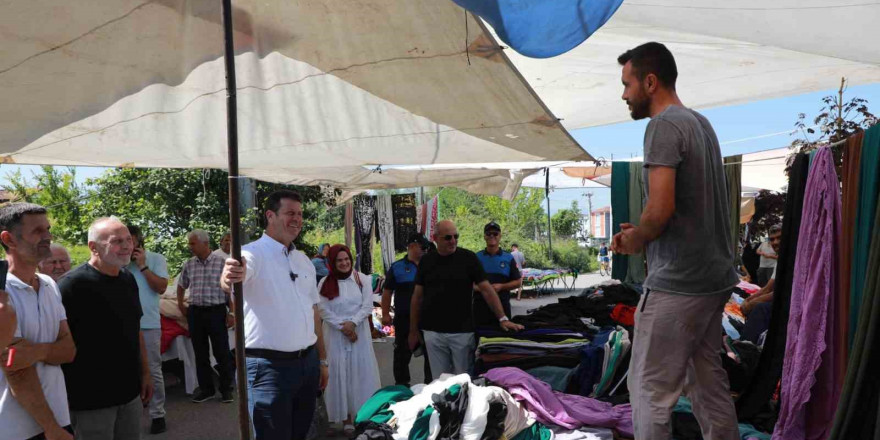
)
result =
(600, 226)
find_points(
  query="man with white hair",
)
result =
(58, 264)
(108, 382)
(207, 315)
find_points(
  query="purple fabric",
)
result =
(809, 389)
(565, 410)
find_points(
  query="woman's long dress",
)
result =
(354, 374)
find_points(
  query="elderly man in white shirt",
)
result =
(284, 345)
(33, 397)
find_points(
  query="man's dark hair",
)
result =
(136, 231)
(775, 229)
(273, 201)
(514, 245)
(653, 58)
(12, 214)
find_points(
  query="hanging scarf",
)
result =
(330, 289)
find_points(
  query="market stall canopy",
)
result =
(321, 86)
(353, 180)
(727, 53)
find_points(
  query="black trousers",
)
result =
(403, 355)
(207, 328)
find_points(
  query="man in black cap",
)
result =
(502, 272)
(400, 281)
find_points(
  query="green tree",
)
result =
(57, 190)
(168, 203)
(567, 222)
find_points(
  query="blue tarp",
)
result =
(543, 28)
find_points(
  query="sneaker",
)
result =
(202, 396)
(226, 396)
(158, 426)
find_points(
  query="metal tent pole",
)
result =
(244, 424)
(549, 229)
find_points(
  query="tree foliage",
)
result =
(769, 208)
(56, 189)
(567, 222)
(837, 120)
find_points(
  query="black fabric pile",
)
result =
(451, 405)
(595, 303)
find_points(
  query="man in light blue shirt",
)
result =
(150, 270)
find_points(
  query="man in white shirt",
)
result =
(286, 361)
(33, 397)
(767, 252)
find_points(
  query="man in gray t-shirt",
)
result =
(685, 231)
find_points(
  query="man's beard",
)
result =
(641, 109)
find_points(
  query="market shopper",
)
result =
(502, 272)
(346, 303)
(284, 343)
(208, 316)
(150, 270)
(769, 254)
(400, 281)
(686, 229)
(57, 264)
(441, 303)
(33, 397)
(109, 381)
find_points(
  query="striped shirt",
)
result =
(202, 278)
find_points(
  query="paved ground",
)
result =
(213, 420)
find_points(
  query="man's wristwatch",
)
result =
(325, 363)
(144, 268)
(503, 318)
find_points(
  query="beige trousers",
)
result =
(676, 349)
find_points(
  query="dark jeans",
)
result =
(402, 354)
(208, 324)
(42, 436)
(282, 396)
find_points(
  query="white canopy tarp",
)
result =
(332, 86)
(322, 85)
(727, 52)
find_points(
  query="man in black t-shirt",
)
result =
(441, 303)
(109, 381)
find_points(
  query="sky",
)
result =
(732, 124)
(735, 126)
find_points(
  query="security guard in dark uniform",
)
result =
(502, 272)
(400, 281)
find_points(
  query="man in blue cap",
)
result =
(503, 274)
(399, 282)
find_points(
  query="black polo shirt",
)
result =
(104, 314)
(448, 282)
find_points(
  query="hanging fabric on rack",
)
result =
(385, 224)
(636, 271)
(349, 223)
(869, 185)
(857, 414)
(364, 219)
(733, 171)
(769, 369)
(404, 208)
(810, 372)
(852, 156)
(432, 210)
(619, 214)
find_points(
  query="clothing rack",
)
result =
(832, 145)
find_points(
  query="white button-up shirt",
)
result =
(278, 311)
(39, 320)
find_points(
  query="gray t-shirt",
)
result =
(694, 255)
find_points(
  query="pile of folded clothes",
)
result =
(505, 403)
